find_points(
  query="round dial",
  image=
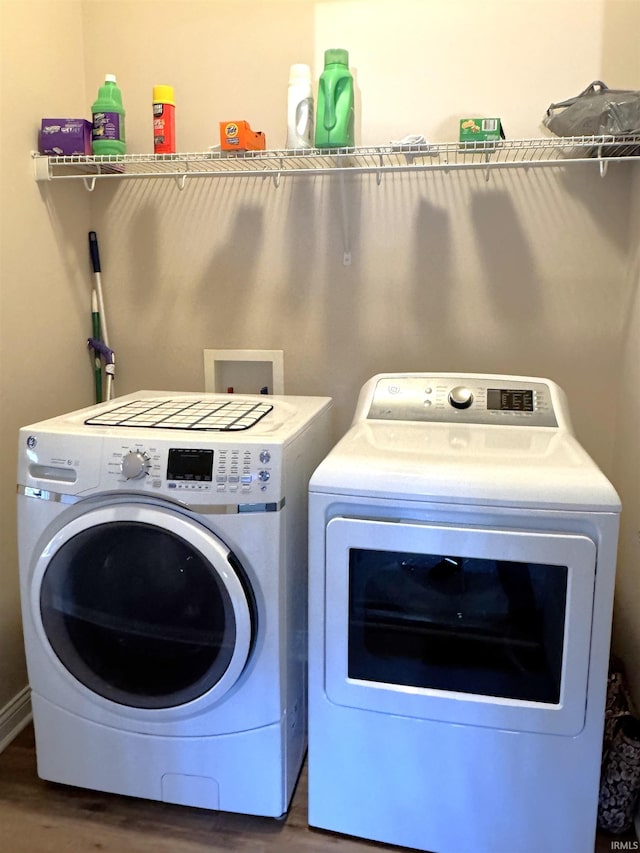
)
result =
(135, 464)
(460, 397)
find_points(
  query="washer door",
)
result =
(144, 606)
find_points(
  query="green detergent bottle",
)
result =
(335, 113)
(108, 119)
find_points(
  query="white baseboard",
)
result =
(15, 715)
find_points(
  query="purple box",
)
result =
(63, 136)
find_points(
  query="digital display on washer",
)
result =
(190, 464)
(509, 400)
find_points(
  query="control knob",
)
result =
(135, 464)
(460, 397)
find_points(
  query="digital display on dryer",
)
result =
(509, 400)
(190, 464)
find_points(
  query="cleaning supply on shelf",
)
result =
(412, 140)
(299, 108)
(238, 136)
(108, 136)
(335, 115)
(65, 136)
(481, 130)
(164, 120)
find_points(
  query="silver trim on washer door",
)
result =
(204, 509)
(46, 495)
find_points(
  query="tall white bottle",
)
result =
(300, 108)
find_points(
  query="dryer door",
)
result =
(144, 606)
(484, 627)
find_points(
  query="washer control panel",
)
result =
(208, 470)
(459, 399)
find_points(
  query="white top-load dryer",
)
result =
(462, 562)
(163, 569)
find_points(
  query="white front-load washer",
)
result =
(462, 560)
(163, 558)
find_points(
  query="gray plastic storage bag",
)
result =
(598, 111)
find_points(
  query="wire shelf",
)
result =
(378, 160)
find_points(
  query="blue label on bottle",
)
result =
(108, 126)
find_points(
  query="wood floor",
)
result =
(40, 817)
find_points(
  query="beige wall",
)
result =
(524, 273)
(520, 274)
(622, 25)
(419, 65)
(449, 271)
(43, 275)
(627, 470)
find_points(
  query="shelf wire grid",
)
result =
(389, 158)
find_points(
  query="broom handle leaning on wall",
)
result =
(95, 262)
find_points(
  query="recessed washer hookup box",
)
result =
(60, 137)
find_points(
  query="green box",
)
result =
(480, 129)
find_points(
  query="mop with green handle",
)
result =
(99, 343)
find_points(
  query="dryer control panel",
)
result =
(450, 398)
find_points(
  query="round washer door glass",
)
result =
(145, 607)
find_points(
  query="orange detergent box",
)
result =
(238, 136)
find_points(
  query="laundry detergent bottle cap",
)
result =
(335, 113)
(299, 73)
(299, 108)
(336, 56)
(108, 135)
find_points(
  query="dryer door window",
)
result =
(489, 627)
(145, 607)
(481, 626)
